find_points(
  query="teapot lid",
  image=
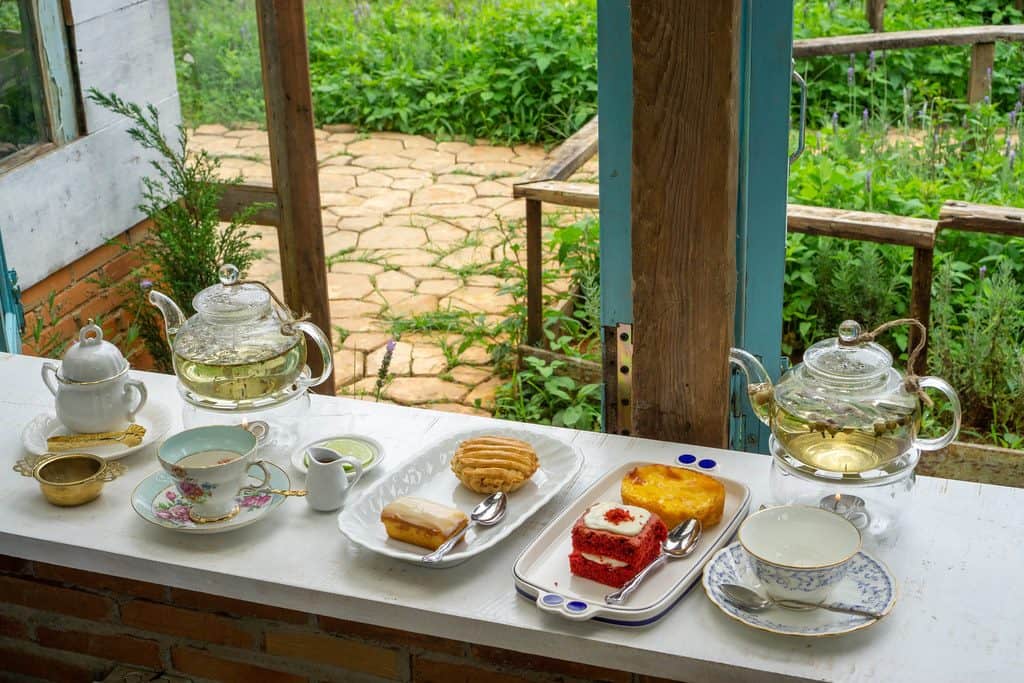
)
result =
(91, 359)
(232, 302)
(845, 360)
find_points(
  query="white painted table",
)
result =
(959, 564)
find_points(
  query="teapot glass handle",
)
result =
(324, 345)
(954, 401)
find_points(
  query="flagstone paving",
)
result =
(409, 224)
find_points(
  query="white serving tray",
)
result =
(542, 571)
(428, 475)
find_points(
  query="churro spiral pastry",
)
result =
(494, 463)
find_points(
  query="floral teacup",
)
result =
(799, 552)
(210, 466)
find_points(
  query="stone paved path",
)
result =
(409, 223)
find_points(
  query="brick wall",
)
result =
(68, 625)
(91, 287)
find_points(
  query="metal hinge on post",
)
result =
(624, 378)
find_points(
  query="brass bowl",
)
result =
(70, 479)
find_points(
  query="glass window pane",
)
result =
(22, 111)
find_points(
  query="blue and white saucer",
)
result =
(157, 500)
(867, 585)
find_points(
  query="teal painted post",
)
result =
(766, 63)
(12, 316)
(615, 131)
(615, 145)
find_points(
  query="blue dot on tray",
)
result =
(687, 459)
(576, 605)
(707, 464)
(552, 599)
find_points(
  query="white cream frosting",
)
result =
(424, 513)
(601, 559)
(594, 518)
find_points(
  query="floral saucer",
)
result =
(158, 501)
(867, 585)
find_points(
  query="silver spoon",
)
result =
(489, 511)
(681, 541)
(752, 600)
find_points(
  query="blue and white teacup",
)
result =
(210, 465)
(799, 552)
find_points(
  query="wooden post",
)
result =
(684, 194)
(875, 12)
(921, 300)
(534, 273)
(286, 90)
(979, 80)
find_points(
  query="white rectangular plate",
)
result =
(428, 475)
(542, 571)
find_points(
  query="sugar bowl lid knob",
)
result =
(92, 359)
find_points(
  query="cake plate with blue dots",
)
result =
(542, 571)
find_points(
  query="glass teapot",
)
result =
(242, 349)
(845, 408)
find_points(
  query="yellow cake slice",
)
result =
(675, 494)
(421, 522)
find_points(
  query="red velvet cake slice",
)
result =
(612, 542)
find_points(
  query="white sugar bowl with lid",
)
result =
(93, 390)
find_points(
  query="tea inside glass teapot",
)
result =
(845, 408)
(243, 347)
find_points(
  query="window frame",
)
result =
(45, 20)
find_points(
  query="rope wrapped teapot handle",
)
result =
(912, 381)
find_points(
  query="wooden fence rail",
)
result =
(982, 40)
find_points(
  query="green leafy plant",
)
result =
(977, 344)
(187, 242)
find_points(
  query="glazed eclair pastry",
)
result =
(421, 522)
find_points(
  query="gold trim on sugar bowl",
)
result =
(69, 479)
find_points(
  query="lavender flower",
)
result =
(1013, 158)
(988, 100)
(871, 60)
(864, 116)
(867, 182)
(382, 371)
(982, 271)
(849, 76)
(145, 285)
(360, 11)
(835, 122)
(1013, 118)
(831, 6)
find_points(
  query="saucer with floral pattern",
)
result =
(158, 501)
(867, 585)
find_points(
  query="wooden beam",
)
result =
(570, 155)
(560, 192)
(289, 101)
(979, 78)
(534, 273)
(238, 197)
(861, 225)
(921, 301)
(684, 194)
(874, 11)
(864, 42)
(999, 220)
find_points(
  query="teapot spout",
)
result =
(174, 317)
(759, 384)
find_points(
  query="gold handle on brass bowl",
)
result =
(69, 479)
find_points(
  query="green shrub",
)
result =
(977, 345)
(508, 70)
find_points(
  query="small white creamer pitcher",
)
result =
(327, 483)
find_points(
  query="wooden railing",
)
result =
(917, 233)
(982, 40)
